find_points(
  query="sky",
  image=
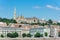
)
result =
(42, 9)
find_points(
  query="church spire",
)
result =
(14, 13)
(21, 14)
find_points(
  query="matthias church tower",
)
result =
(14, 13)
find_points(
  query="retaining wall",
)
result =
(29, 38)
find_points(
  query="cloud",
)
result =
(37, 7)
(52, 7)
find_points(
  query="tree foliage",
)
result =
(58, 34)
(29, 35)
(58, 24)
(7, 21)
(50, 21)
(2, 35)
(46, 34)
(38, 35)
(12, 35)
(24, 35)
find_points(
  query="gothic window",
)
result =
(34, 20)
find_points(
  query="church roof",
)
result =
(32, 18)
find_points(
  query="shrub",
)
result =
(8, 34)
(15, 34)
(46, 34)
(58, 34)
(2, 35)
(29, 35)
(38, 35)
(24, 35)
(12, 35)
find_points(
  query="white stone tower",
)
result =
(15, 13)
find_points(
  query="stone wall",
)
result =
(29, 38)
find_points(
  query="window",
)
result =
(20, 25)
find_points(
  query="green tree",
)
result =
(29, 35)
(9, 35)
(38, 35)
(7, 21)
(50, 21)
(58, 34)
(58, 24)
(0, 19)
(46, 34)
(43, 24)
(12, 35)
(2, 35)
(24, 35)
(15, 34)
(13, 21)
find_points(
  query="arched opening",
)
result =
(20, 25)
